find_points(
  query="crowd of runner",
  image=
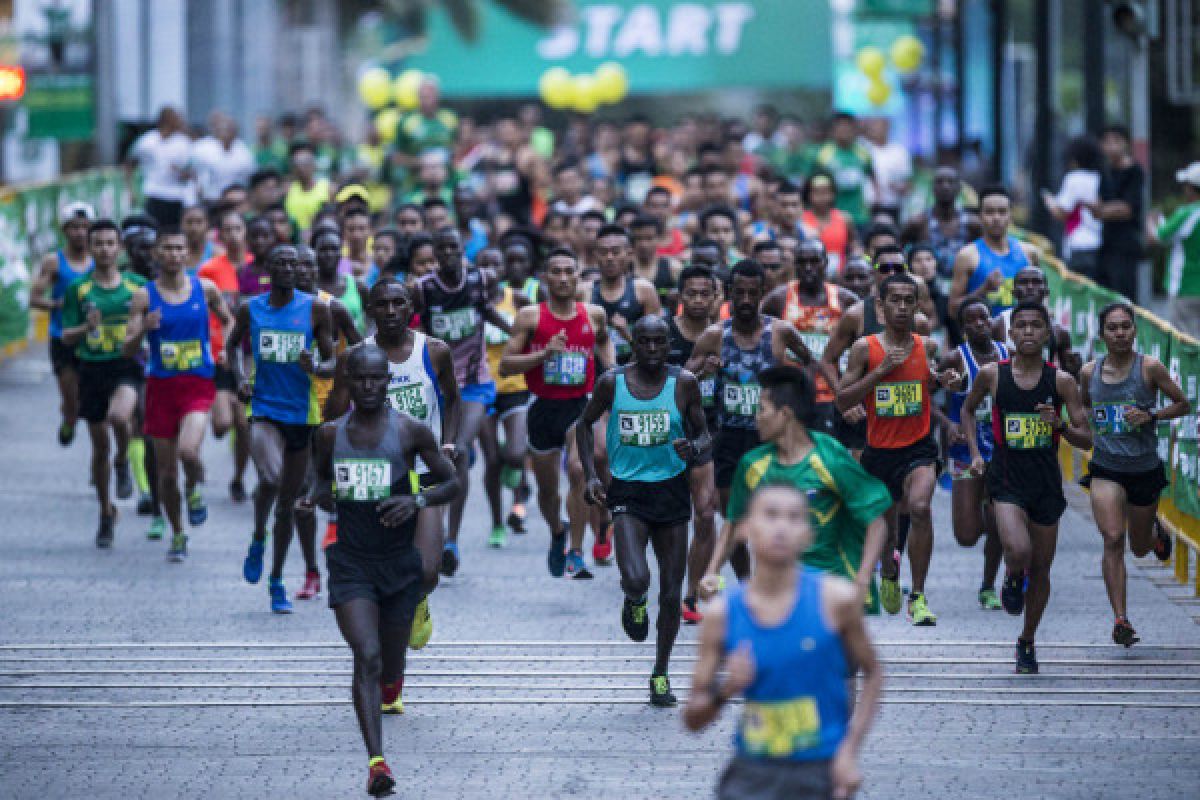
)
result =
(732, 342)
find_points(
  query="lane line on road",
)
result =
(104, 704)
(533, 643)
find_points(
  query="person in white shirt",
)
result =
(1080, 186)
(221, 159)
(892, 164)
(165, 153)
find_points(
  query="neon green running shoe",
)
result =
(660, 692)
(890, 596)
(918, 612)
(498, 537)
(158, 527)
(989, 600)
(422, 627)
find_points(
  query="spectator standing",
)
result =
(892, 165)
(221, 159)
(1080, 189)
(1120, 210)
(307, 193)
(850, 164)
(164, 154)
(1182, 232)
(429, 128)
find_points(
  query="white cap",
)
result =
(73, 209)
(1190, 174)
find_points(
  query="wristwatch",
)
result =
(420, 501)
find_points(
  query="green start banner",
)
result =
(664, 46)
(29, 229)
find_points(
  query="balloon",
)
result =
(878, 92)
(612, 84)
(385, 124)
(907, 53)
(870, 61)
(586, 94)
(375, 87)
(406, 87)
(556, 88)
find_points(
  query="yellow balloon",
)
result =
(406, 88)
(612, 84)
(556, 87)
(586, 94)
(375, 87)
(870, 61)
(385, 124)
(878, 92)
(907, 53)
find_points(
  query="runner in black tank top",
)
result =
(614, 254)
(628, 307)
(1023, 477)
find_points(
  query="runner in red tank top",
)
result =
(889, 372)
(556, 345)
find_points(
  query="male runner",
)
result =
(890, 374)
(558, 345)
(971, 509)
(698, 294)
(1125, 473)
(985, 268)
(858, 277)
(171, 314)
(282, 326)
(254, 277)
(375, 580)
(745, 344)
(56, 273)
(94, 314)
(345, 287)
(194, 224)
(1023, 478)
(1030, 285)
(645, 234)
(655, 429)
(454, 302)
(814, 306)
(789, 640)
(945, 227)
(623, 296)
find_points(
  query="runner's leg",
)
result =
(98, 433)
(670, 545)
(68, 392)
(1044, 541)
(358, 620)
(918, 492)
(166, 467)
(491, 470)
(291, 478)
(1012, 526)
(266, 448)
(632, 536)
(192, 428)
(473, 415)
(429, 539)
(704, 537)
(546, 468)
(967, 510)
(1108, 510)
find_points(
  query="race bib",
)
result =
(898, 399)
(280, 347)
(708, 391)
(1108, 419)
(362, 479)
(644, 428)
(493, 335)
(567, 368)
(620, 343)
(109, 337)
(815, 342)
(1027, 432)
(182, 355)
(456, 325)
(778, 730)
(741, 399)
(409, 398)
(984, 412)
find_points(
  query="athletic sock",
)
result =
(376, 760)
(135, 454)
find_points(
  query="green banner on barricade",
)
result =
(1184, 366)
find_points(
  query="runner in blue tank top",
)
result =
(282, 327)
(55, 275)
(986, 268)
(649, 450)
(171, 314)
(789, 640)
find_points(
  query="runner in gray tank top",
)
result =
(1126, 475)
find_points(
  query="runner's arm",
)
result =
(848, 614)
(321, 494)
(75, 322)
(857, 381)
(790, 339)
(706, 698)
(606, 353)
(443, 367)
(338, 401)
(707, 344)
(135, 328)
(233, 344)
(1077, 431)
(343, 323)
(217, 305)
(489, 310)
(648, 296)
(774, 303)
(842, 338)
(322, 324)
(694, 418)
(515, 361)
(1068, 359)
(981, 387)
(39, 291)
(1161, 378)
(585, 434)
(441, 470)
(1085, 378)
(964, 264)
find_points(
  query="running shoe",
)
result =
(422, 626)
(690, 614)
(311, 587)
(660, 692)
(516, 518)
(989, 600)
(1027, 663)
(918, 612)
(380, 782)
(576, 567)
(66, 434)
(556, 556)
(510, 477)
(124, 480)
(498, 537)
(145, 506)
(104, 534)
(177, 553)
(1012, 593)
(158, 527)
(252, 566)
(890, 596)
(393, 703)
(1124, 634)
(279, 599)
(603, 548)
(449, 559)
(237, 492)
(1163, 543)
(197, 511)
(330, 534)
(635, 619)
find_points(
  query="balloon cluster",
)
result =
(906, 53)
(560, 89)
(389, 97)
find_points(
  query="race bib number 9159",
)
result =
(644, 428)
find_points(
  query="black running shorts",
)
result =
(549, 420)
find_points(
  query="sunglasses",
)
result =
(890, 269)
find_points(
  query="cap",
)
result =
(351, 191)
(1190, 174)
(73, 209)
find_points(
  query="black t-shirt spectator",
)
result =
(1123, 236)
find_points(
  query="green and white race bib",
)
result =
(280, 347)
(708, 391)
(456, 325)
(644, 428)
(741, 399)
(362, 479)
(409, 398)
(984, 412)
(815, 342)
(567, 368)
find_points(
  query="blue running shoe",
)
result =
(197, 510)
(576, 567)
(252, 567)
(279, 599)
(449, 564)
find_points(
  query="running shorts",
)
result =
(852, 434)
(483, 393)
(655, 503)
(549, 420)
(169, 400)
(1042, 501)
(62, 356)
(824, 419)
(1141, 488)
(775, 779)
(728, 448)
(510, 403)
(99, 381)
(295, 436)
(394, 584)
(224, 379)
(893, 466)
